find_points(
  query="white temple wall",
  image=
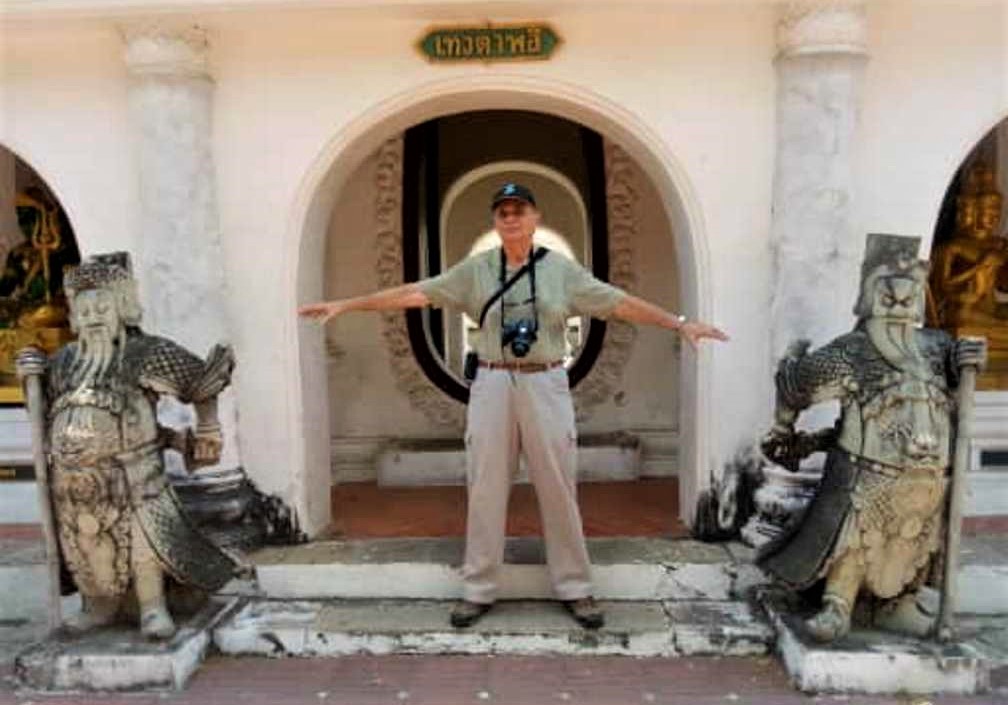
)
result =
(699, 76)
(63, 111)
(703, 84)
(937, 81)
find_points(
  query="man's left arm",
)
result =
(636, 310)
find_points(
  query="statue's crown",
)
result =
(99, 272)
(897, 252)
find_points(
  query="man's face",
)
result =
(515, 220)
(95, 310)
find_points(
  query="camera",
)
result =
(520, 335)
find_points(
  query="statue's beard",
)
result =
(98, 349)
(895, 339)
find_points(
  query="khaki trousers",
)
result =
(512, 412)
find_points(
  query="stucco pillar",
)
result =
(178, 255)
(817, 247)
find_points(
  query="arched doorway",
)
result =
(334, 170)
(969, 297)
(36, 242)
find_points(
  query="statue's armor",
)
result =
(107, 468)
(884, 483)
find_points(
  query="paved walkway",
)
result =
(478, 680)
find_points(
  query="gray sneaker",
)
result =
(466, 613)
(586, 612)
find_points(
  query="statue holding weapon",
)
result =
(119, 526)
(873, 531)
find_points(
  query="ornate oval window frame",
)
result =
(403, 333)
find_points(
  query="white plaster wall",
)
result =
(63, 111)
(703, 81)
(698, 75)
(936, 82)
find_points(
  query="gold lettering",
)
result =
(516, 43)
(467, 45)
(499, 36)
(453, 46)
(534, 40)
(483, 45)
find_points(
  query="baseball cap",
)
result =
(512, 192)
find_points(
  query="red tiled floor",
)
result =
(642, 508)
(22, 532)
(976, 526)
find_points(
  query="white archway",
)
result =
(303, 353)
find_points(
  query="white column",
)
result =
(178, 259)
(817, 246)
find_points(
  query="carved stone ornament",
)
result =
(120, 526)
(600, 383)
(621, 204)
(875, 524)
(423, 395)
(166, 49)
(819, 26)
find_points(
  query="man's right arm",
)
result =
(397, 297)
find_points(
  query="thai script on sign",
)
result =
(489, 43)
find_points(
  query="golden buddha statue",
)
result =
(968, 271)
(32, 307)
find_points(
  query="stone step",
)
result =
(424, 568)
(343, 627)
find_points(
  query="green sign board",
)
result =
(487, 43)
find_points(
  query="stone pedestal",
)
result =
(867, 661)
(119, 658)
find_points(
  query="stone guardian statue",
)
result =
(120, 527)
(875, 526)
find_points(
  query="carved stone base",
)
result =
(119, 658)
(867, 661)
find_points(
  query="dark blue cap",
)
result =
(512, 192)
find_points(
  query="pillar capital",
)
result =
(166, 49)
(822, 27)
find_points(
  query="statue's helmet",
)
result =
(893, 279)
(111, 272)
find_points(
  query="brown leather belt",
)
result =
(518, 366)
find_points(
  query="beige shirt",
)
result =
(563, 289)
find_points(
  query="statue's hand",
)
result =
(970, 352)
(205, 448)
(780, 446)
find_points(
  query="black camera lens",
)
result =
(520, 335)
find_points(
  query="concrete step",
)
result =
(343, 627)
(424, 568)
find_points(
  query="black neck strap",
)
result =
(529, 267)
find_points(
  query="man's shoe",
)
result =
(466, 613)
(586, 612)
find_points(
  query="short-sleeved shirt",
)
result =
(563, 289)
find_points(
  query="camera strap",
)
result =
(529, 267)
